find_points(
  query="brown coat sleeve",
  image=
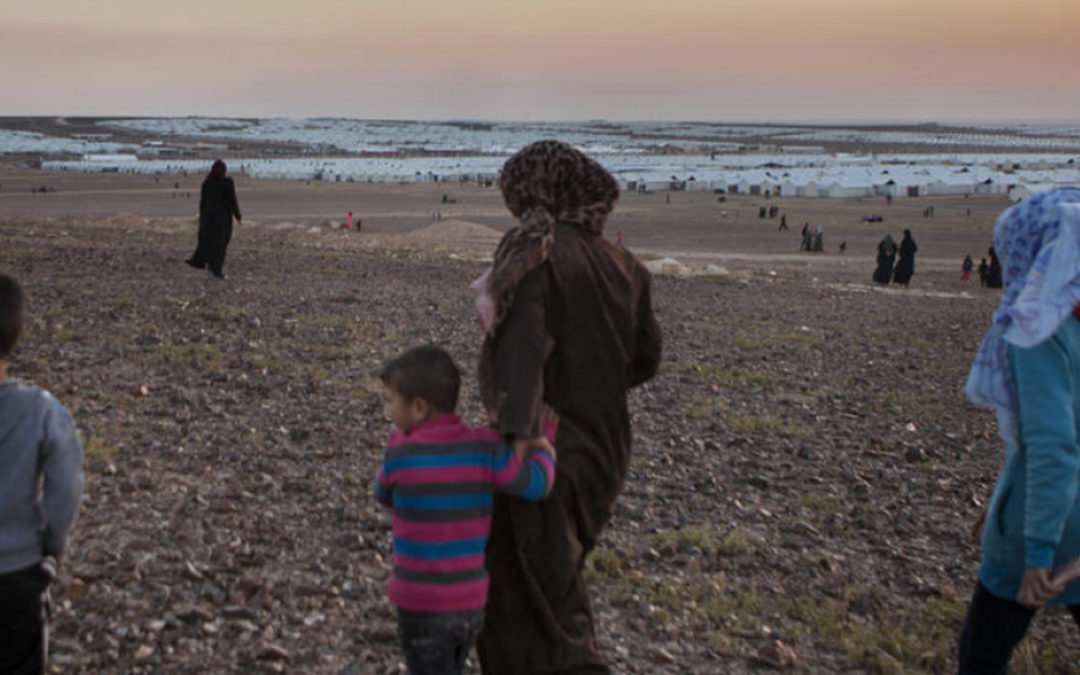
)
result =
(519, 359)
(647, 338)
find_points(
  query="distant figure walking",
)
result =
(348, 221)
(807, 238)
(984, 273)
(843, 247)
(819, 240)
(905, 268)
(217, 208)
(886, 257)
(968, 265)
(993, 277)
(783, 223)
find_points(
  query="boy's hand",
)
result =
(1037, 587)
(522, 446)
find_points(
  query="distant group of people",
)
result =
(989, 273)
(812, 240)
(896, 263)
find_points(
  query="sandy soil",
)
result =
(805, 468)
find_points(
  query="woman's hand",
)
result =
(1037, 588)
(522, 446)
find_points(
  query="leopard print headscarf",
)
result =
(544, 184)
(561, 181)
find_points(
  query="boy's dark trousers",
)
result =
(992, 630)
(438, 644)
(23, 624)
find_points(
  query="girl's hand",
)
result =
(1037, 587)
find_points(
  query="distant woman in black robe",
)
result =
(217, 207)
(993, 277)
(886, 256)
(905, 268)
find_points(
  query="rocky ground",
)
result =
(804, 478)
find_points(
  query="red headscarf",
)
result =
(218, 169)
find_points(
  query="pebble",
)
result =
(273, 652)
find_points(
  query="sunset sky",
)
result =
(731, 60)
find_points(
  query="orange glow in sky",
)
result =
(551, 59)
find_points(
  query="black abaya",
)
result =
(993, 278)
(217, 207)
(905, 269)
(885, 258)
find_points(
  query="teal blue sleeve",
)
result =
(1045, 392)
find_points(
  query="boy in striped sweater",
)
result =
(438, 477)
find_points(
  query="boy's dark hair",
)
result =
(11, 314)
(425, 372)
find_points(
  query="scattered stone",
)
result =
(664, 656)
(668, 267)
(272, 652)
(777, 655)
(914, 454)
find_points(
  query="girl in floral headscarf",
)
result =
(569, 329)
(1028, 370)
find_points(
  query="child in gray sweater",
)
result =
(41, 483)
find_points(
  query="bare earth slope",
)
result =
(805, 468)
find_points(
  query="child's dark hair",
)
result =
(11, 314)
(425, 372)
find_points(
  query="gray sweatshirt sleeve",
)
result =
(61, 456)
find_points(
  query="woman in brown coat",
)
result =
(572, 330)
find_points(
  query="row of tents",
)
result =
(860, 177)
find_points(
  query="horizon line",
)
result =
(584, 120)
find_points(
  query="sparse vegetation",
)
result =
(200, 354)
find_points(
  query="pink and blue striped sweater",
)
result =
(439, 480)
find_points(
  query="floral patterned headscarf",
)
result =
(1038, 241)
